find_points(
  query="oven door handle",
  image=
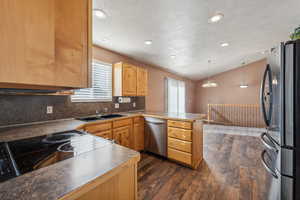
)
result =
(268, 168)
(270, 145)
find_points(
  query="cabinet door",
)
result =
(117, 137)
(122, 136)
(27, 38)
(142, 82)
(129, 80)
(71, 42)
(44, 43)
(138, 132)
(104, 134)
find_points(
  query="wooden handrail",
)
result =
(246, 115)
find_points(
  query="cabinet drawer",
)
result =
(180, 156)
(104, 134)
(98, 127)
(180, 133)
(137, 120)
(123, 122)
(180, 145)
(180, 124)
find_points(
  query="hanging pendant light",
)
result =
(209, 83)
(243, 84)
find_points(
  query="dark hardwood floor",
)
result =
(231, 170)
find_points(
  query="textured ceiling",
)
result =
(181, 28)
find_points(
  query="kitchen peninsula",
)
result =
(92, 173)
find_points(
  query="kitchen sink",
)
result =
(111, 116)
(99, 117)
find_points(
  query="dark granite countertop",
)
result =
(44, 128)
(176, 116)
(55, 181)
(37, 129)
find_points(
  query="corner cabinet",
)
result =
(45, 44)
(129, 80)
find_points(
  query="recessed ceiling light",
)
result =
(148, 42)
(217, 17)
(173, 56)
(224, 44)
(101, 14)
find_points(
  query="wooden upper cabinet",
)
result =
(45, 44)
(129, 80)
(142, 82)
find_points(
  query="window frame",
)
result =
(96, 100)
(167, 96)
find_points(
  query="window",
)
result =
(175, 100)
(101, 85)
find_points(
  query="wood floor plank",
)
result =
(231, 170)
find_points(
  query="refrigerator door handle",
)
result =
(268, 168)
(266, 116)
(270, 143)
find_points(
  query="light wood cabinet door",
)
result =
(72, 43)
(122, 136)
(104, 134)
(119, 184)
(44, 43)
(138, 134)
(129, 80)
(142, 82)
(27, 38)
(96, 128)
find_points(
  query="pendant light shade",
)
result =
(208, 83)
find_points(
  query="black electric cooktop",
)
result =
(23, 156)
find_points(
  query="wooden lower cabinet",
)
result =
(122, 136)
(179, 133)
(185, 142)
(138, 134)
(180, 124)
(101, 130)
(180, 156)
(180, 145)
(120, 183)
(105, 134)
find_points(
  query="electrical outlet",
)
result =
(134, 104)
(117, 105)
(49, 109)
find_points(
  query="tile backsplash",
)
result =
(25, 109)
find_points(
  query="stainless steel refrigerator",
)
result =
(280, 105)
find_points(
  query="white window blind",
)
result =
(175, 95)
(101, 90)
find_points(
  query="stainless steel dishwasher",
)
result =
(156, 136)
